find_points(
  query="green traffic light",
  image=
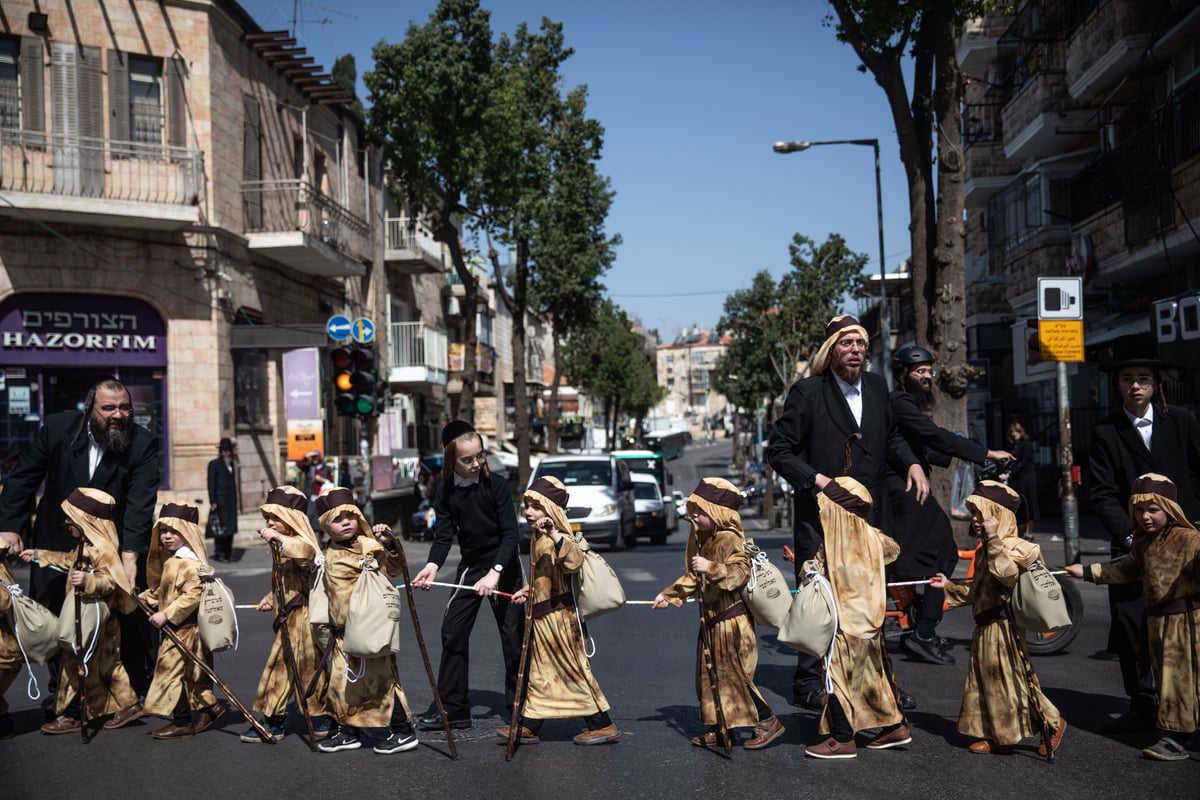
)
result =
(364, 406)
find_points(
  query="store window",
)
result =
(251, 388)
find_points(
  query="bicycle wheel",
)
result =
(1041, 644)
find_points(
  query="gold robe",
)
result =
(178, 596)
(366, 702)
(1002, 697)
(1168, 564)
(734, 643)
(560, 683)
(106, 682)
(275, 685)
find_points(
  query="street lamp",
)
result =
(885, 333)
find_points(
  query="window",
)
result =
(145, 101)
(10, 90)
(251, 389)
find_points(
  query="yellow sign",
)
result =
(1061, 339)
(304, 436)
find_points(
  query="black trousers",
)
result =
(459, 619)
(1126, 604)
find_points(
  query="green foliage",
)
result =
(345, 75)
(606, 359)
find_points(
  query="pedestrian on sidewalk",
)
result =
(223, 499)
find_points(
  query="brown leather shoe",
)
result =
(174, 731)
(832, 748)
(765, 732)
(897, 736)
(1055, 738)
(605, 735)
(985, 747)
(708, 739)
(124, 717)
(62, 724)
(524, 735)
(207, 718)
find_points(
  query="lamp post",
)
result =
(885, 333)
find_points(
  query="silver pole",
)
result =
(1070, 508)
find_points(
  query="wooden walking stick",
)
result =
(199, 662)
(80, 652)
(437, 696)
(710, 666)
(289, 654)
(522, 666)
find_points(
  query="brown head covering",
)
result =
(331, 505)
(550, 494)
(836, 329)
(184, 520)
(291, 505)
(1155, 488)
(994, 499)
(720, 500)
(93, 511)
(849, 494)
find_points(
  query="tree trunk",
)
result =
(520, 348)
(552, 408)
(448, 235)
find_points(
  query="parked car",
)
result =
(651, 516)
(601, 505)
(680, 501)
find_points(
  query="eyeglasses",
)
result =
(851, 344)
(124, 408)
(470, 461)
(1141, 380)
(930, 371)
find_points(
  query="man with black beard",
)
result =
(103, 448)
(922, 529)
(837, 422)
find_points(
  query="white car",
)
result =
(601, 505)
(651, 519)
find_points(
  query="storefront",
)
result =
(54, 347)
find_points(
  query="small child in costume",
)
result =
(286, 515)
(173, 566)
(1002, 701)
(1166, 559)
(10, 651)
(375, 699)
(100, 577)
(864, 691)
(716, 569)
(560, 684)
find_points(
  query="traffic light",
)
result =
(343, 381)
(365, 382)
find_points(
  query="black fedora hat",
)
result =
(1117, 365)
(226, 444)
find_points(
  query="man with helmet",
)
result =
(922, 528)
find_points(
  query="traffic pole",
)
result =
(1070, 507)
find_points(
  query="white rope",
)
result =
(590, 649)
(351, 677)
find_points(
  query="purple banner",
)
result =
(43, 329)
(301, 383)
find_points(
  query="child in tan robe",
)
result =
(363, 692)
(717, 568)
(173, 566)
(10, 651)
(559, 682)
(1166, 559)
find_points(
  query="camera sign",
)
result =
(1060, 298)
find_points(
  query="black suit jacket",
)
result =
(928, 442)
(810, 437)
(1118, 457)
(222, 493)
(59, 456)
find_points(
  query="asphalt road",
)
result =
(644, 662)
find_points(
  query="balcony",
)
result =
(1107, 40)
(1042, 118)
(411, 248)
(291, 222)
(977, 46)
(988, 171)
(59, 178)
(419, 355)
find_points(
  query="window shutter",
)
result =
(118, 96)
(252, 163)
(91, 121)
(176, 103)
(33, 81)
(64, 89)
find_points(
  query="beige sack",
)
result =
(373, 616)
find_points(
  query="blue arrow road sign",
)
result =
(338, 327)
(363, 330)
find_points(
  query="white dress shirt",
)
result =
(853, 394)
(1143, 425)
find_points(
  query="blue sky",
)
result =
(692, 95)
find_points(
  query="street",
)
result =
(645, 663)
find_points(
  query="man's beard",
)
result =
(925, 397)
(115, 440)
(848, 374)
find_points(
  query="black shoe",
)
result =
(907, 701)
(809, 701)
(928, 650)
(433, 722)
(1135, 720)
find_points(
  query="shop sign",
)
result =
(45, 329)
(1177, 319)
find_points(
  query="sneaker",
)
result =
(901, 734)
(928, 650)
(605, 735)
(1166, 749)
(907, 701)
(274, 726)
(346, 738)
(765, 732)
(398, 740)
(433, 722)
(832, 748)
(322, 726)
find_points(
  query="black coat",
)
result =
(222, 493)
(1118, 457)
(810, 437)
(59, 456)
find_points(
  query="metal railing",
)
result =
(79, 166)
(415, 344)
(295, 205)
(406, 233)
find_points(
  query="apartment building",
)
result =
(684, 369)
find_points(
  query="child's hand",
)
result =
(660, 601)
(270, 535)
(938, 581)
(520, 596)
(28, 555)
(991, 528)
(144, 596)
(701, 564)
(385, 536)
(264, 605)
(1074, 570)
(78, 577)
(158, 619)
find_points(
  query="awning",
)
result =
(1115, 328)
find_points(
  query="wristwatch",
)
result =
(499, 568)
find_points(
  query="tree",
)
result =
(884, 34)
(430, 100)
(345, 75)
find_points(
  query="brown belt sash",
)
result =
(993, 614)
(556, 603)
(1179, 605)
(735, 610)
(298, 600)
